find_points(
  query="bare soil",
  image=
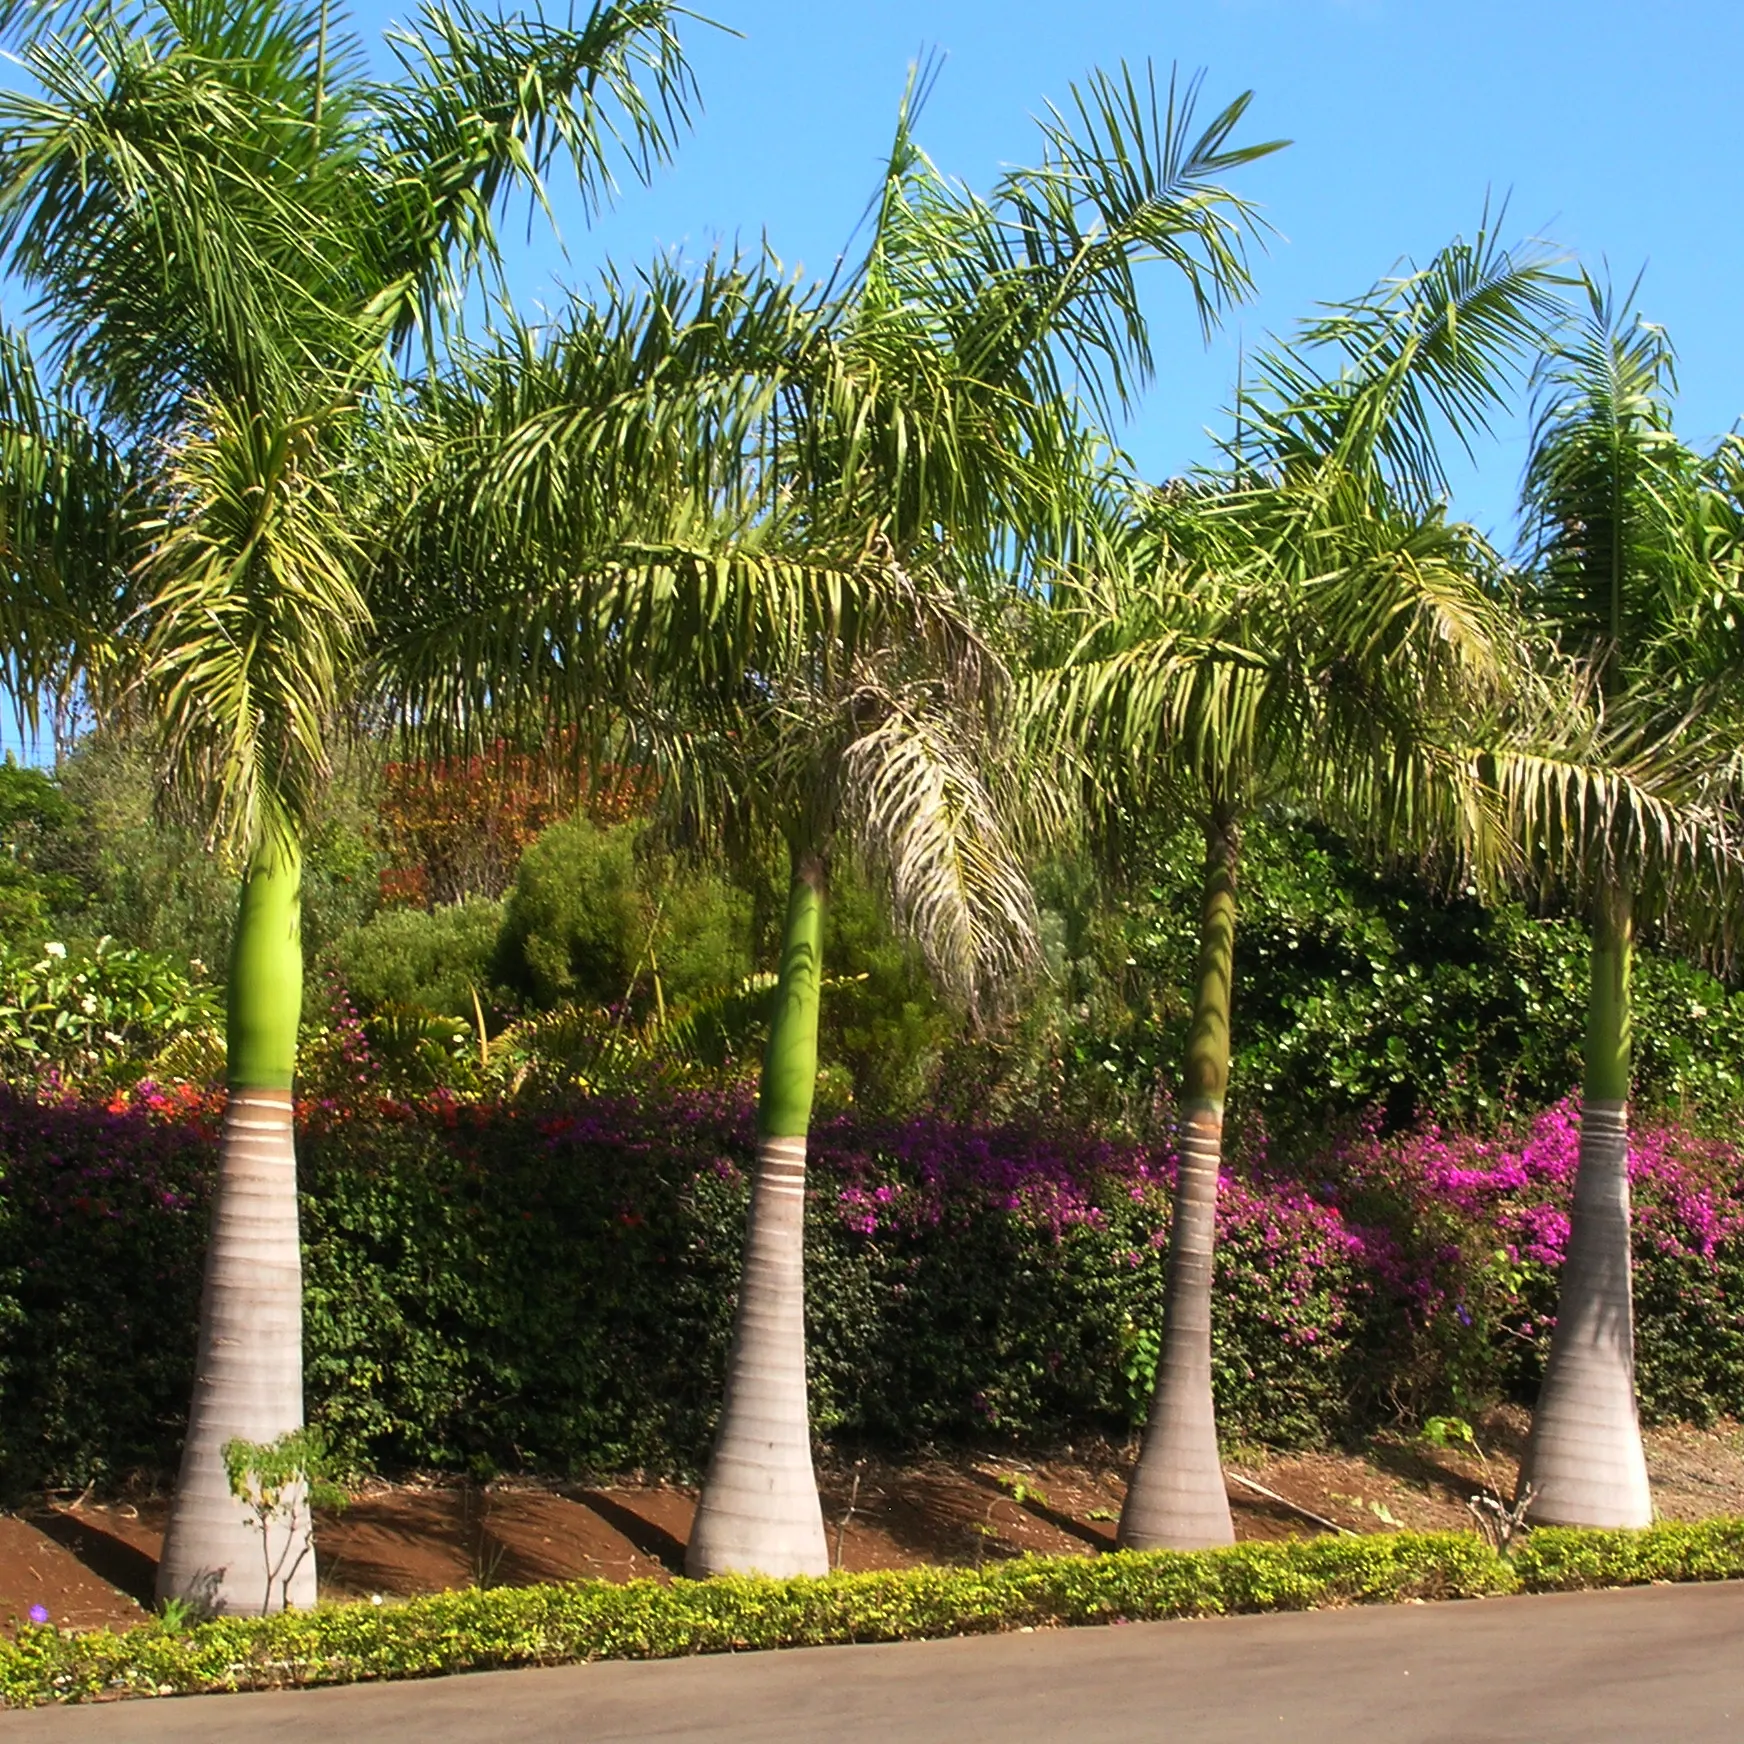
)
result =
(91, 1561)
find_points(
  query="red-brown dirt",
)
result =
(91, 1561)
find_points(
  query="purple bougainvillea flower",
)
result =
(39, 1613)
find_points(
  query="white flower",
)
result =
(88, 1005)
(55, 950)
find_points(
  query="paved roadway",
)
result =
(1664, 1665)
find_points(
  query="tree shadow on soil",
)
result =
(1098, 1538)
(109, 1557)
(1428, 1467)
(651, 1540)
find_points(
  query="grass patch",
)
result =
(551, 1625)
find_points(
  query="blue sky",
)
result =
(1612, 135)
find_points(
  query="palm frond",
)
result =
(1611, 495)
(67, 499)
(1372, 385)
(919, 809)
(253, 622)
(1608, 796)
(488, 103)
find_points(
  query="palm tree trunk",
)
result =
(1176, 1499)
(248, 1379)
(759, 1508)
(1584, 1460)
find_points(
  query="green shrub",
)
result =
(643, 1620)
(85, 1012)
(129, 863)
(101, 1220)
(1354, 989)
(881, 1021)
(1566, 1559)
(593, 917)
(430, 959)
(586, 1620)
(34, 815)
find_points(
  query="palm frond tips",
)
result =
(1615, 502)
(919, 809)
(488, 102)
(1373, 384)
(67, 499)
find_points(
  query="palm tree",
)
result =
(231, 232)
(942, 434)
(906, 438)
(1635, 571)
(1306, 628)
(883, 757)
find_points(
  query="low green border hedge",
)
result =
(549, 1625)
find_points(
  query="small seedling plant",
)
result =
(281, 1483)
(1499, 1521)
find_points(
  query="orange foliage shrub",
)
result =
(456, 827)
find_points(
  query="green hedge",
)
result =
(493, 1289)
(548, 1625)
(503, 1288)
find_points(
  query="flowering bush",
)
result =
(97, 1009)
(1467, 1235)
(493, 1287)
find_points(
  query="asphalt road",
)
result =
(1664, 1664)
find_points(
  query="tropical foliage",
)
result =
(505, 731)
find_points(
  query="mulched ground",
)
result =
(92, 1560)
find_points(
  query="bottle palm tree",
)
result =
(1305, 628)
(882, 757)
(911, 439)
(939, 433)
(1635, 572)
(232, 232)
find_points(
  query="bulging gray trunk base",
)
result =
(248, 1380)
(1176, 1499)
(759, 1510)
(1585, 1458)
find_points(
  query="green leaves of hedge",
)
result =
(547, 1625)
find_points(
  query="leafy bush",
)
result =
(586, 1620)
(1354, 990)
(33, 813)
(454, 828)
(433, 959)
(592, 917)
(881, 1022)
(135, 867)
(494, 1288)
(82, 1013)
(102, 1216)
